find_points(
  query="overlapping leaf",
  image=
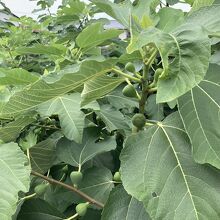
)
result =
(98, 87)
(157, 168)
(37, 209)
(42, 155)
(183, 69)
(14, 178)
(200, 112)
(56, 50)
(77, 154)
(120, 206)
(16, 77)
(72, 119)
(11, 131)
(41, 91)
(97, 183)
(112, 118)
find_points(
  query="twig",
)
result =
(71, 188)
(126, 75)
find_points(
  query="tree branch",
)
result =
(71, 188)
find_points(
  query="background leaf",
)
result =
(121, 12)
(113, 119)
(77, 154)
(16, 77)
(94, 35)
(41, 92)
(42, 155)
(37, 209)
(97, 182)
(12, 129)
(98, 87)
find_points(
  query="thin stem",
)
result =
(28, 156)
(144, 81)
(151, 90)
(138, 75)
(28, 197)
(72, 217)
(148, 124)
(126, 75)
(49, 127)
(71, 188)
(217, 35)
(151, 59)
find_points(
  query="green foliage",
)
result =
(14, 177)
(103, 126)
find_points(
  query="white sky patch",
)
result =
(26, 7)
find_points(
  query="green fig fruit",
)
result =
(117, 177)
(129, 91)
(81, 208)
(76, 177)
(138, 120)
(40, 189)
(130, 67)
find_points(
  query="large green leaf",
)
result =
(11, 131)
(94, 35)
(183, 68)
(200, 112)
(157, 168)
(170, 18)
(41, 91)
(98, 87)
(15, 177)
(67, 107)
(16, 77)
(77, 154)
(120, 206)
(37, 209)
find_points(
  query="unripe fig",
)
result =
(139, 120)
(129, 91)
(130, 67)
(117, 177)
(76, 177)
(40, 189)
(81, 208)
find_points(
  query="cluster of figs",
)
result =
(76, 177)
